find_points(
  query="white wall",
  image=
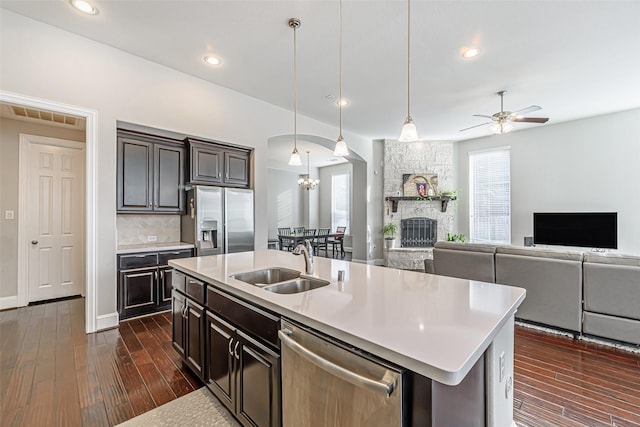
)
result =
(44, 62)
(591, 165)
(10, 131)
(284, 205)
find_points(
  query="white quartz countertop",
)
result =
(148, 247)
(436, 326)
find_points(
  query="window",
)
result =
(340, 198)
(490, 196)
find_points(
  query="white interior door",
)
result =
(55, 218)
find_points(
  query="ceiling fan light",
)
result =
(501, 127)
(340, 149)
(295, 158)
(409, 132)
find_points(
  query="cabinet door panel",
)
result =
(177, 324)
(258, 380)
(236, 166)
(194, 350)
(165, 285)
(169, 178)
(138, 288)
(205, 165)
(135, 172)
(219, 369)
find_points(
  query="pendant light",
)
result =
(308, 183)
(409, 132)
(340, 149)
(295, 156)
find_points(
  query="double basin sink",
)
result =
(280, 280)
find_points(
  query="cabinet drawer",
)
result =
(255, 321)
(195, 289)
(138, 260)
(179, 281)
(164, 257)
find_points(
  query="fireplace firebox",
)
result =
(418, 232)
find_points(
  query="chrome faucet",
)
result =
(306, 250)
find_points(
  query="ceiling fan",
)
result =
(501, 121)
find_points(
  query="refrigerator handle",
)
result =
(192, 208)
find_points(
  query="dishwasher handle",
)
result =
(385, 385)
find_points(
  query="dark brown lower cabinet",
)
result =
(243, 373)
(188, 331)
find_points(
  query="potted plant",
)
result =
(389, 231)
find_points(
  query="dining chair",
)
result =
(298, 230)
(285, 242)
(322, 241)
(338, 240)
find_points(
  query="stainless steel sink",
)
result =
(267, 276)
(295, 286)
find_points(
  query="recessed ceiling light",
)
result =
(84, 6)
(470, 52)
(212, 60)
(343, 102)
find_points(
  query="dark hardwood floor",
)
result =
(53, 374)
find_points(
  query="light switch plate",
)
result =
(9, 215)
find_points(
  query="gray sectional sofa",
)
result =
(593, 293)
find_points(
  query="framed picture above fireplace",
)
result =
(420, 185)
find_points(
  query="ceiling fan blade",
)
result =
(531, 120)
(482, 115)
(474, 126)
(526, 110)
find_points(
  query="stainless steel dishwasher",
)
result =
(327, 384)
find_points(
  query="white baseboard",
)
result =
(107, 321)
(8, 302)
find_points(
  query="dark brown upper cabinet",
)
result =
(150, 174)
(216, 164)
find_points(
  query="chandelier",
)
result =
(307, 182)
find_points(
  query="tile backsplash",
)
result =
(136, 229)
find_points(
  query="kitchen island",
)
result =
(436, 327)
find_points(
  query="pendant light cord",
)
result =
(408, 58)
(295, 92)
(340, 63)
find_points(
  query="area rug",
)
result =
(197, 409)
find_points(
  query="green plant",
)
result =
(390, 230)
(450, 193)
(456, 237)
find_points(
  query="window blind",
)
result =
(340, 201)
(490, 196)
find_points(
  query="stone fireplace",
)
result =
(420, 222)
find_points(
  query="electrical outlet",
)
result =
(152, 238)
(8, 215)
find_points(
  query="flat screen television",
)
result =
(584, 229)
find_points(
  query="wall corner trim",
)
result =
(107, 321)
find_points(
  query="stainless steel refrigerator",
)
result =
(218, 220)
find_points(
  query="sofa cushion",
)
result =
(473, 247)
(471, 261)
(612, 258)
(553, 284)
(541, 252)
(612, 285)
(615, 328)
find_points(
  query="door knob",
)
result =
(34, 242)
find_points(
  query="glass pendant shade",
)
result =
(501, 127)
(341, 149)
(409, 132)
(295, 158)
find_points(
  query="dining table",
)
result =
(298, 238)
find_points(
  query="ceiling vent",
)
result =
(33, 115)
